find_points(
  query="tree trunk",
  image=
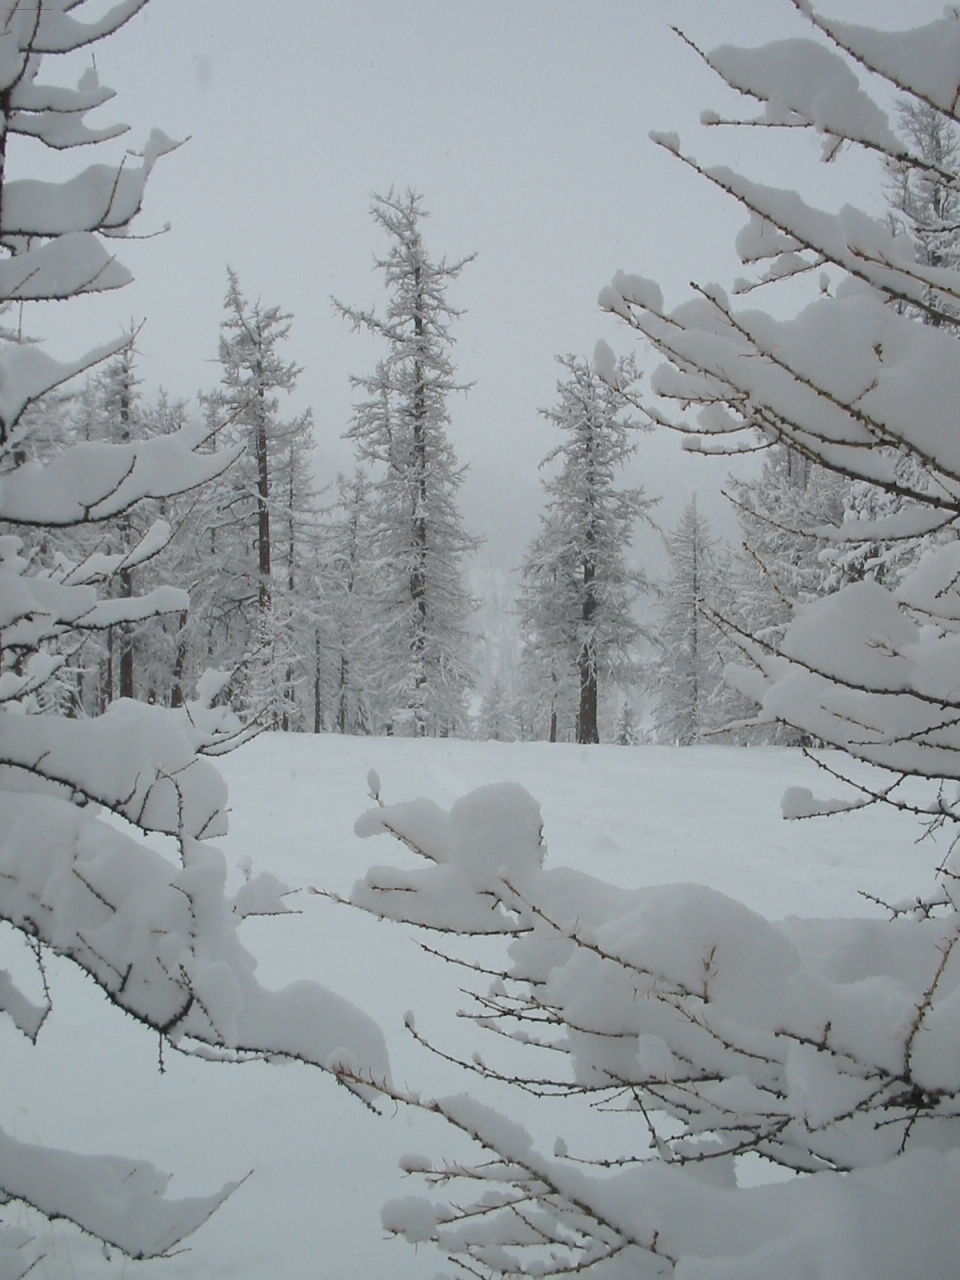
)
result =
(587, 730)
(177, 697)
(317, 703)
(106, 683)
(263, 505)
(418, 576)
(126, 639)
(344, 680)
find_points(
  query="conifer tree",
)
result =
(692, 699)
(258, 524)
(627, 733)
(782, 562)
(578, 589)
(924, 201)
(400, 429)
(347, 576)
(496, 723)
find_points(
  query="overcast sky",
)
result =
(523, 124)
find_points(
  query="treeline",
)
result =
(341, 604)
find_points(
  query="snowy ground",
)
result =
(321, 1165)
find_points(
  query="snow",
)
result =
(322, 1165)
(91, 480)
(801, 81)
(119, 1200)
(923, 60)
(73, 263)
(100, 198)
(57, 32)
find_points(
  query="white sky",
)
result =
(524, 125)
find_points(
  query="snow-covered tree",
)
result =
(693, 700)
(131, 660)
(400, 429)
(347, 576)
(627, 732)
(924, 199)
(154, 930)
(780, 512)
(576, 607)
(827, 1047)
(262, 518)
(496, 723)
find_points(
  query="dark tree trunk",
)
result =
(317, 704)
(177, 697)
(344, 680)
(263, 505)
(126, 639)
(418, 577)
(587, 730)
(106, 674)
(126, 575)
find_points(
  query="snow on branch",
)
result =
(161, 941)
(824, 1046)
(490, 833)
(922, 62)
(121, 1202)
(49, 28)
(800, 82)
(156, 931)
(102, 198)
(92, 481)
(72, 264)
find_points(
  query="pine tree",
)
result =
(578, 589)
(400, 429)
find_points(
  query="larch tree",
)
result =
(262, 513)
(692, 699)
(347, 577)
(400, 430)
(924, 202)
(496, 721)
(826, 1047)
(784, 513)
(105, 821)
(576, 607)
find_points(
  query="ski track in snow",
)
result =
(321, 1164)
